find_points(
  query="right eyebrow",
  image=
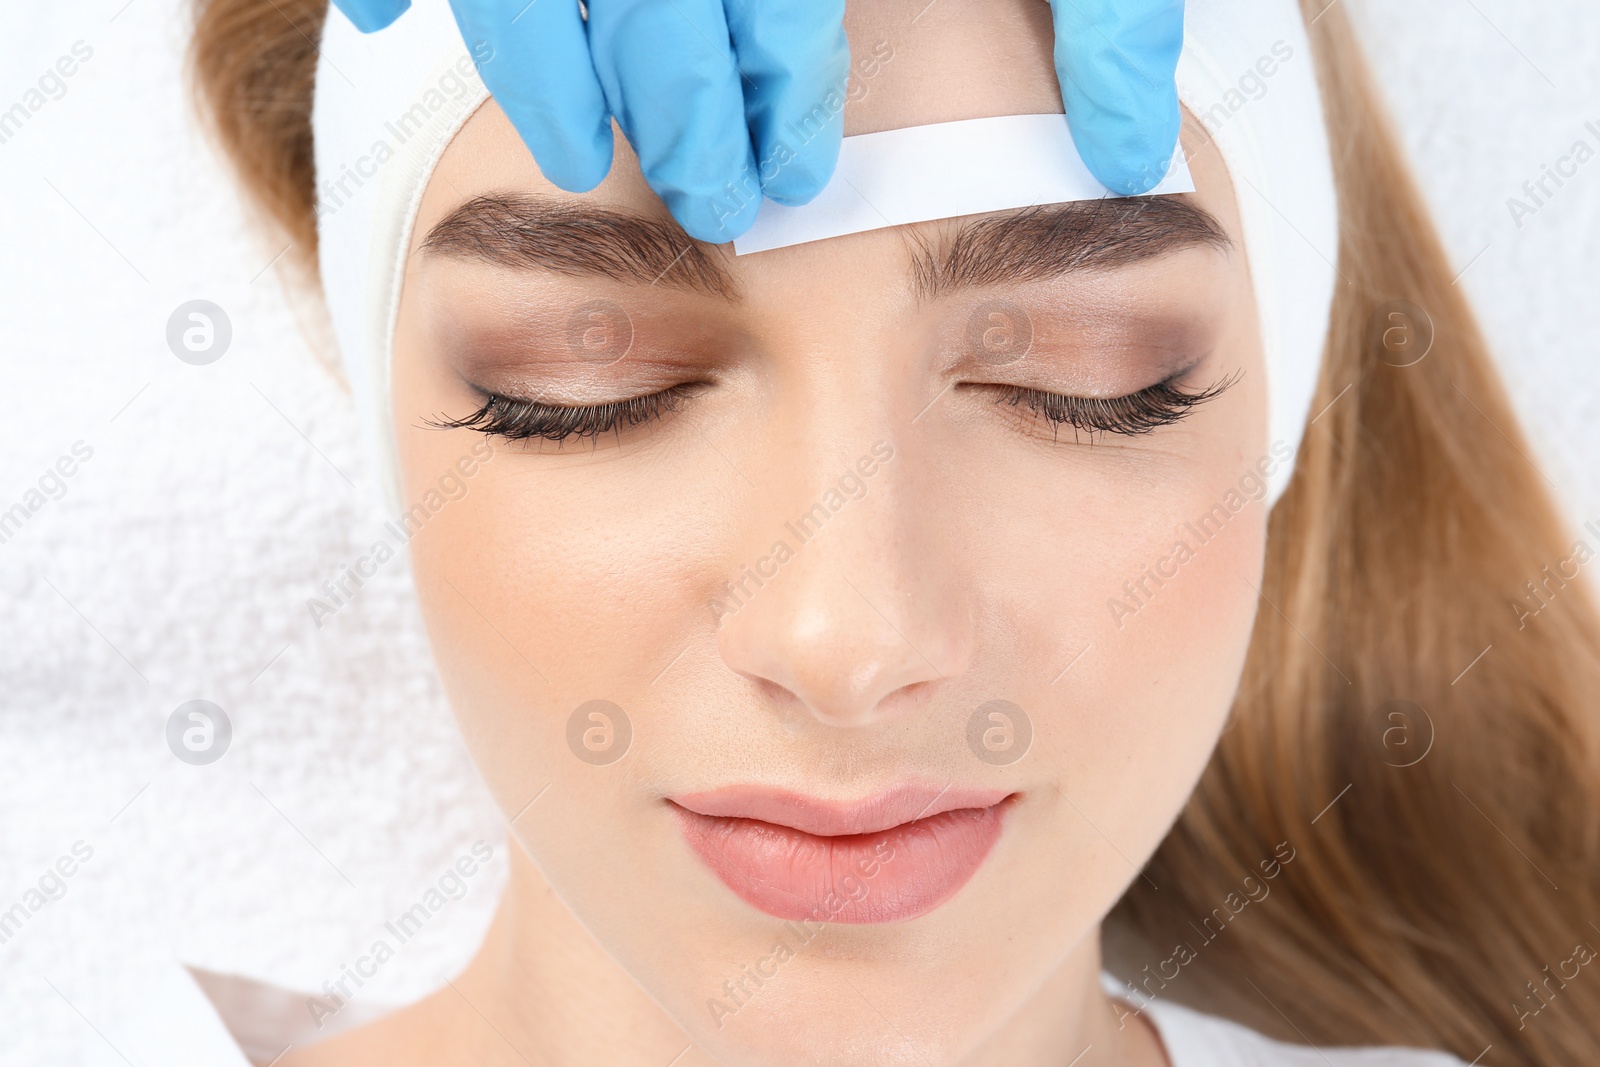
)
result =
(1049, 240)
(580, 240)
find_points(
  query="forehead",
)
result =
(912, 63)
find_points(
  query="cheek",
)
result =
(579, 562)
(1174, 634)
(1131, 613)
(1173, 628)
(544, 591)
(560, 579)
(1127, 596)
(1125, 717)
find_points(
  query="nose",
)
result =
(854, 612)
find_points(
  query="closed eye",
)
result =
(516, 419)
(1132, 415)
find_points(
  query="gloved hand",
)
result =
(722, 100)
(1116, 61)
(728, 100)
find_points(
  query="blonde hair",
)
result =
(1413, 724)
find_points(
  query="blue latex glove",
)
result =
(1116, 61)
(710, 93)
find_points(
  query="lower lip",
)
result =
(883, 877)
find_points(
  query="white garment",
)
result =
(1194, 1039)
(183, 1025)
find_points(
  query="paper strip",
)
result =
(941, 171)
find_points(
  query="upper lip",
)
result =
(831, 818)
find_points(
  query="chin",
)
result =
(854, 1014)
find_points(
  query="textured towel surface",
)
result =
(179, 559)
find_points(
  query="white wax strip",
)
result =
(941, 171)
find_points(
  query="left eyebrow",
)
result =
(1047, 241)
(579, 239)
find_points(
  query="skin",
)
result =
(977, 564)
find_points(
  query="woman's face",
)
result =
(837, 695)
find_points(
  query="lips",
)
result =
(891, 857)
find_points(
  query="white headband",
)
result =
(388, 103)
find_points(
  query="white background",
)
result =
(178, 562)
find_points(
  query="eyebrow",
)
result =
(1036, 243)
(1046, 241)
(578, 240)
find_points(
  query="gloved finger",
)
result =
(371, 15)
(1117, 61)
(795, 58)
(668, 72)
(534, 57)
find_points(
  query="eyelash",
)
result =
(525, 420)
(1133, 415)
(1162, 404)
